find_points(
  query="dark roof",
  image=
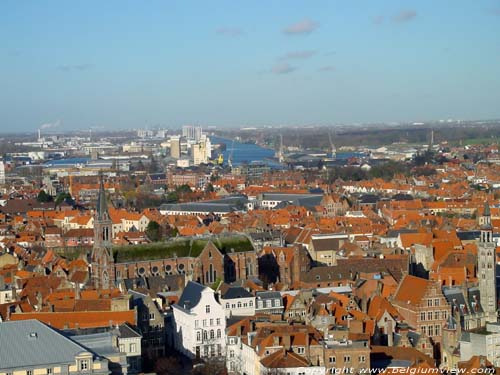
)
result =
(325, 244)
(348, 268)
(268, 295)
(459, 303)
(236, 292)
(158, 176)
(127, 332)
(191, 295)
(469, 235)
(198, 207)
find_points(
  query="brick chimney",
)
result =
(287, 341)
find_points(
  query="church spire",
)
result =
(102, 262)
(102, 205)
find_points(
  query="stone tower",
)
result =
(102, 262)
(486, 267)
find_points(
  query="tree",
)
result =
(153, 231)
(209, 188)
(168, 366)
(61, 197)
(44, 197)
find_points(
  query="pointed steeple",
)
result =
(102, 205)
(486, 211)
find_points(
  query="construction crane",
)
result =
(332, 147)
(230, 158)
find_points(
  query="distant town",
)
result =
(307, 250)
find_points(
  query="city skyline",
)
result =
(118, 65)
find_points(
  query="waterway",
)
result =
(244, 152)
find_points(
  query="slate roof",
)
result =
(127, 332)
(459, 303)
(31, 343)
(198, 207)
(191, 295)
(236, 292)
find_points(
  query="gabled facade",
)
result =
(199, 323)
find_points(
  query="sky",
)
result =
(134, 64)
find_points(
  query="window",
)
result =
(239, 304)
(362, 359)
(133, 348)
(196, 323)
(429, 315)
(50, 371)
(204, 322)
(429, 303)
(151, 316)
(436, 302)
(198, 336)
(218, 333)
(436, 315)
(332, 359)
(29, 372)
(211, 322)
(437, 330)
(300, 350)
(205, 335)
(84, 365)
(212, 334)
(122, 348)
(207, 309)
(422, 316)
(227, 305)
(347, 359)
(231, 354)
(218, 321)
(250, 303)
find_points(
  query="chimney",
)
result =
(389, 332)
(14, 291)
(364, 304)
(39, 301)
(77, 290)
(286, 342)
(238, 330)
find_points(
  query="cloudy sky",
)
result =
(124, 64)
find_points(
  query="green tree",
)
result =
(44, 197)
(209, 188)
(61, 197)
(153, 231)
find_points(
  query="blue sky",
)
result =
(128, 64)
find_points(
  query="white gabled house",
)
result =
(199, 323)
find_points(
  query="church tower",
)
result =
(102, 262)
(486, 266)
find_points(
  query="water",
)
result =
(244, 152)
